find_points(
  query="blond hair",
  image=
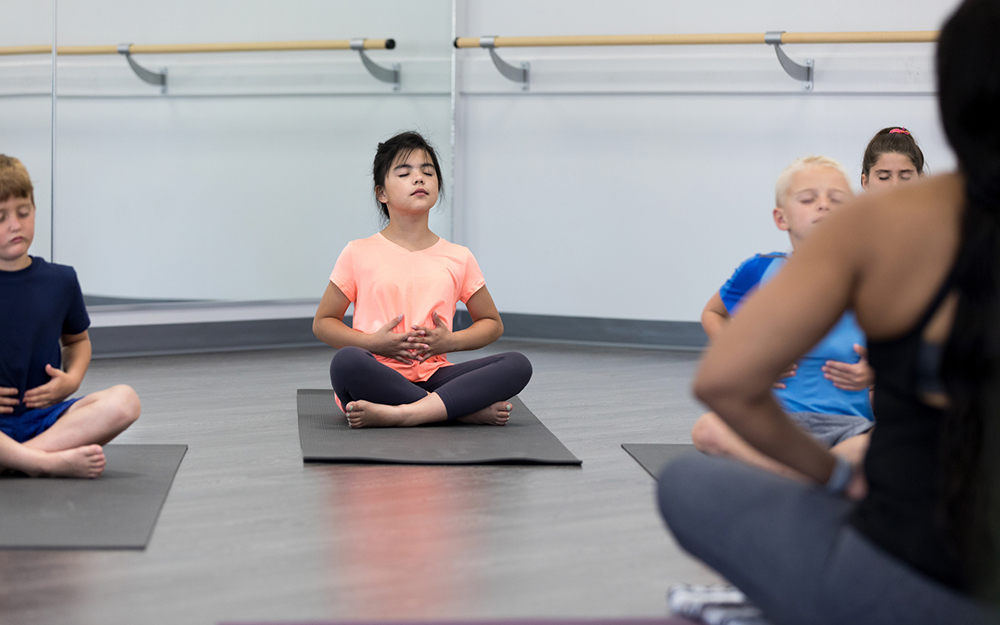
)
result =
(14, 179)
(785, 177)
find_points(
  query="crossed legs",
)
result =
(712, 436)
(71, 447)
(374, 395)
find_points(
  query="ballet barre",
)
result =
(800, 72)
(385, 74)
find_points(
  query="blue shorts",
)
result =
(30, 424)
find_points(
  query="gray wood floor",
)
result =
(249, 532)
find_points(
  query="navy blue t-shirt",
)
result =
(38, 305)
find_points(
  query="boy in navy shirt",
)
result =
(44, 354)
(827, 391)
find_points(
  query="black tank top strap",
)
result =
(942, 293)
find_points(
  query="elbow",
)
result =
(707, 388)
(730, 395)
(720, 389)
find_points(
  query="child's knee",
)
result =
(520, 366)
(346, 361)
(124, 404)
(707, 435)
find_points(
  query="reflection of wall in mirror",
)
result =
(249, 176)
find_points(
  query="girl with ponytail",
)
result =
(891, 157)
(910, 536)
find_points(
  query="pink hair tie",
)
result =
(903, 131)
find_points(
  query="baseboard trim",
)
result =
(194, 338)
(223, 336)
(686, 335)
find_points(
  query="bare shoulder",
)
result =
(879, 226)
(937, 200)
(903, 210)
(907, 242)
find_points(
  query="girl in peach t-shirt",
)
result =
(390, 368)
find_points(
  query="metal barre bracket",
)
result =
(144, 74)
(510, 72)
(802, 73)
(385, 74)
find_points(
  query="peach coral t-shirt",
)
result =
(385, 280)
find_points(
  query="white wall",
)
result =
(629, 182)
(626, 183)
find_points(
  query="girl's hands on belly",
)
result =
(432, 341)
(403, 347)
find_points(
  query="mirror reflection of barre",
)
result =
(801, 72)
(389, 74)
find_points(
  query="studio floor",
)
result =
(250, 533)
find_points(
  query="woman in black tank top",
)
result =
(913, 535)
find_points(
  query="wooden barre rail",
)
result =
(915, 36)
(195, 48)
(776, 38)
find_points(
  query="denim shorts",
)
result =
(28, 425)
(831, 429)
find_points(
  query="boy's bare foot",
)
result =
(496, 414)
(365, 414)
(87, 461)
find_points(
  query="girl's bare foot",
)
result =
(365, 414)
(87, 461)
(497, 414)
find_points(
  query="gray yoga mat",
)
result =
(326, 437)
(654, 456)
(117, 510)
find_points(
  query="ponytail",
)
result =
(968, 59)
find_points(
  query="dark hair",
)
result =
(400, 147)
(886, 141)
(968, 67)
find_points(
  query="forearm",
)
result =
(480, 334)
(335, 333)
(76, 360)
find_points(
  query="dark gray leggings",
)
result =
(464, 387)
(789, 548)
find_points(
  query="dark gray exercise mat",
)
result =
(117, 510)
(326, 437)
(654, 456)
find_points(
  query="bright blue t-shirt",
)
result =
(38, 304)
(807, 390)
